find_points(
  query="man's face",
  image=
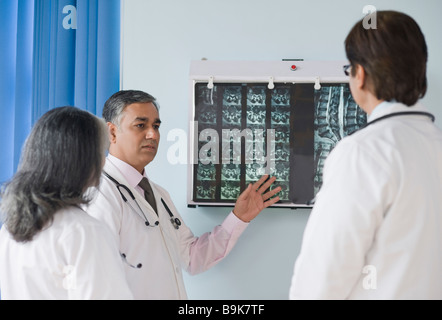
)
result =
(137, 138)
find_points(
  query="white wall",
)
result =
(161, 37)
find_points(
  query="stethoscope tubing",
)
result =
(397, 114)
(176, 223)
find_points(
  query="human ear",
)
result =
(360, 77)
(112, 130)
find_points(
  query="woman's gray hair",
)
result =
(62, 157)
(115, 105)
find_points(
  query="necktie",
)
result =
(148, 193)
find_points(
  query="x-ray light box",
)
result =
(251, 118)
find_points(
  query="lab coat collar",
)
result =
(387, 107)
(115, 172)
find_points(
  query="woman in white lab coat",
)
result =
(49, 247)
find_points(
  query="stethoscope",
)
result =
(391, 115)
(176, 223)
(397, 114)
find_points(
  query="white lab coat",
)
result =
(375, 231)
(162, 251)
(74, 258)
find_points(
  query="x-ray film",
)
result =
(336, 116)
(247, 130)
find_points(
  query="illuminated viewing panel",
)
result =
(245, 130)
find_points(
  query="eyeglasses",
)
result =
(346, 69)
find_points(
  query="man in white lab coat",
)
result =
(375, 229)
(154, 241)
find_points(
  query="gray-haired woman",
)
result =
(49, 247)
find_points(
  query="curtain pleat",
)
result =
(16, 38)
(54, 58)
(98, 54)
(54, 53)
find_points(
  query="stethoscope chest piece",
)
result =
(175, 222)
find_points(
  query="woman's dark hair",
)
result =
(61, 158)
(394, 56)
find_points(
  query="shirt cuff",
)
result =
(233, 223)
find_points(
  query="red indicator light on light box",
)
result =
(293, 67)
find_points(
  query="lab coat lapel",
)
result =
(116, 174)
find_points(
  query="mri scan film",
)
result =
(246, 130)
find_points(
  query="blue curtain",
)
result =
(53, 53)
(16, 39)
